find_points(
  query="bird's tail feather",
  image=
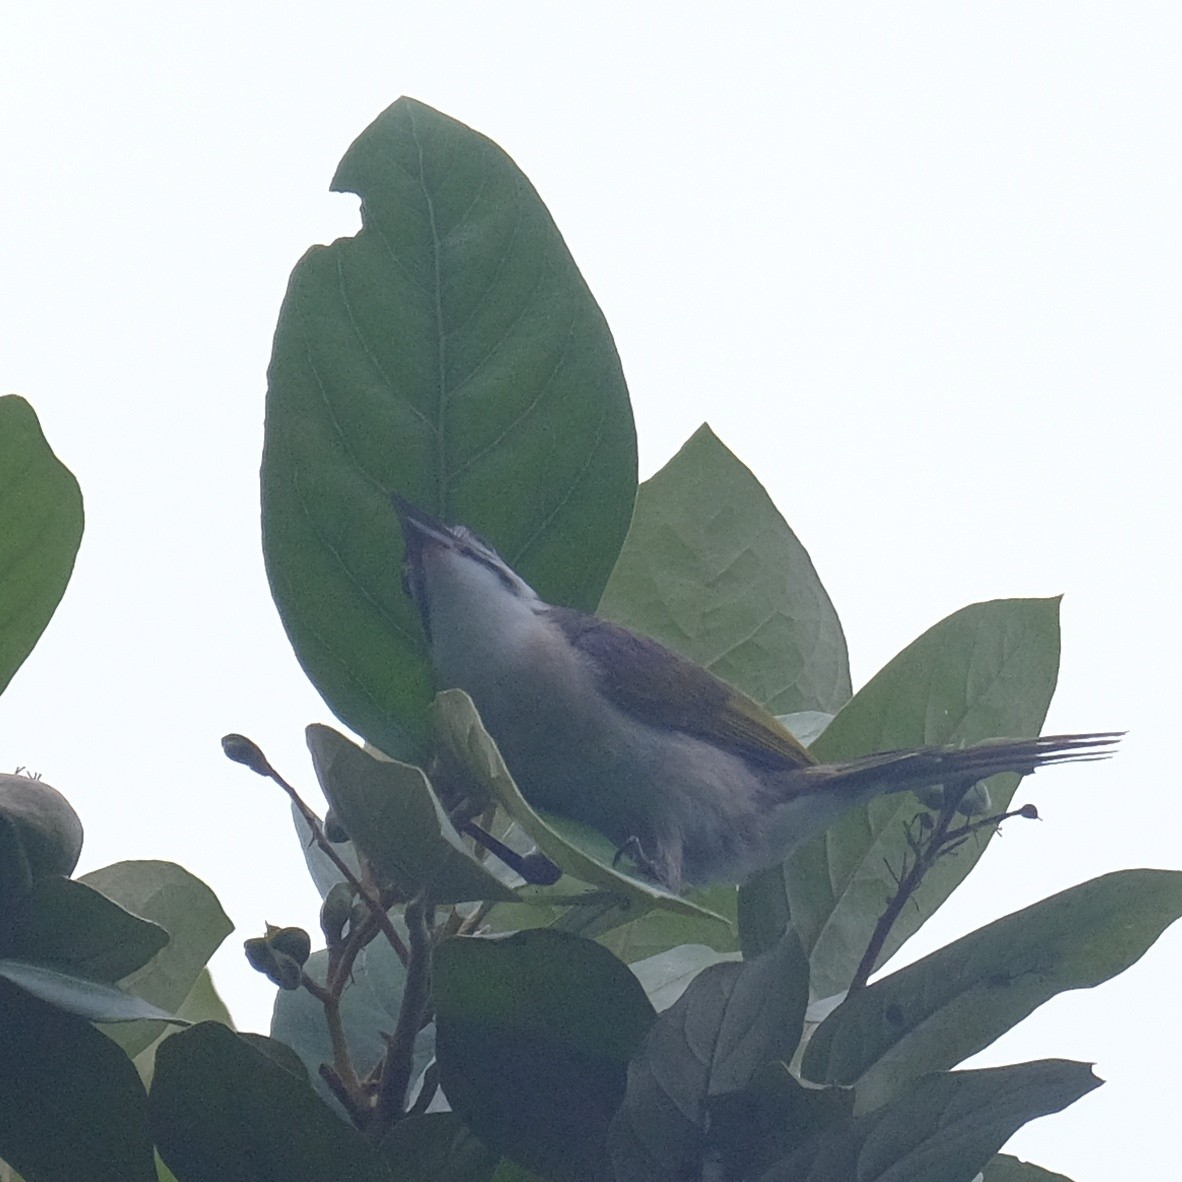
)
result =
(898, 771)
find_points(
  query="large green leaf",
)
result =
(40, 529)
(68, 925)
(534, 1034)
(986, 671)
(224, 1111)
(71, 1104)
(452, 351)
(946, 1128)
(711, 569)
(398, 822)
(203, 1004)
(731, 1021)
(933, 1014)
(97, 1001)
(1004, 1168)
(179, 902)
(438, 1146)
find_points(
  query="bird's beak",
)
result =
(419, 528)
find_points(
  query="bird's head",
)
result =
(450, 571)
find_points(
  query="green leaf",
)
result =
(766, 1119)
(534, 1034)
(1004, 1168)
(40, 834)
(452, 351)
(987, 671)
(935, 1013)
(661, 929)
(40, 529)
(71, 1104)
(69, 925)
(438, 1146)
(945, 1129)
(321, 868)
(181, 904)
(667, 975)
(223, 1111)
(577, 850)
(203, 1004)
(84, 996)
(712, 571)
(394, 818)
(369, 1012)
(731, 1021)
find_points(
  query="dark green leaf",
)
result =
(323, 871)
(396, 821)
(168, 895)
(711, 570)
(40, 529)
(768, 1118)
(667, 975)
(436, 1147)
(945, 1129)
(986, 671)
(71, 1104)
(731, 1021)
(953, 1003)
(203, 1004)
(662, 929)
(534, 1034)
(222, 1111)
(451, 351)
(95, 1000)
(40, 834)
(71, 926)
(1004, 1168)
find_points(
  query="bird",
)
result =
(595, 722)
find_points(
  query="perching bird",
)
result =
(610, 728)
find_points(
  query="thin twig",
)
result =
(392, 1087)
(246, 751)
(357, 1112)
(942, 839)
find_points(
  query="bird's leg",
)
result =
(535, 867)
(633, 851)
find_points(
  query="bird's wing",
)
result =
(656, 686)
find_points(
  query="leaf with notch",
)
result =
(451, 351)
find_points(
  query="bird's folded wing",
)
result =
(656, 686)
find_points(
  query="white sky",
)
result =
(917, 264)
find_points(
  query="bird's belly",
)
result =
(689, 805)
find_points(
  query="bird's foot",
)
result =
(633, 852)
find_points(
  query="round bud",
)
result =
(333, 829)
(334, 912)
(293, 942)
(243, 750)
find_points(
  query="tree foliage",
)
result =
(459, 1021)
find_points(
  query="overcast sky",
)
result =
(917, 264)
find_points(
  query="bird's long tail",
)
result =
(898, 771)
